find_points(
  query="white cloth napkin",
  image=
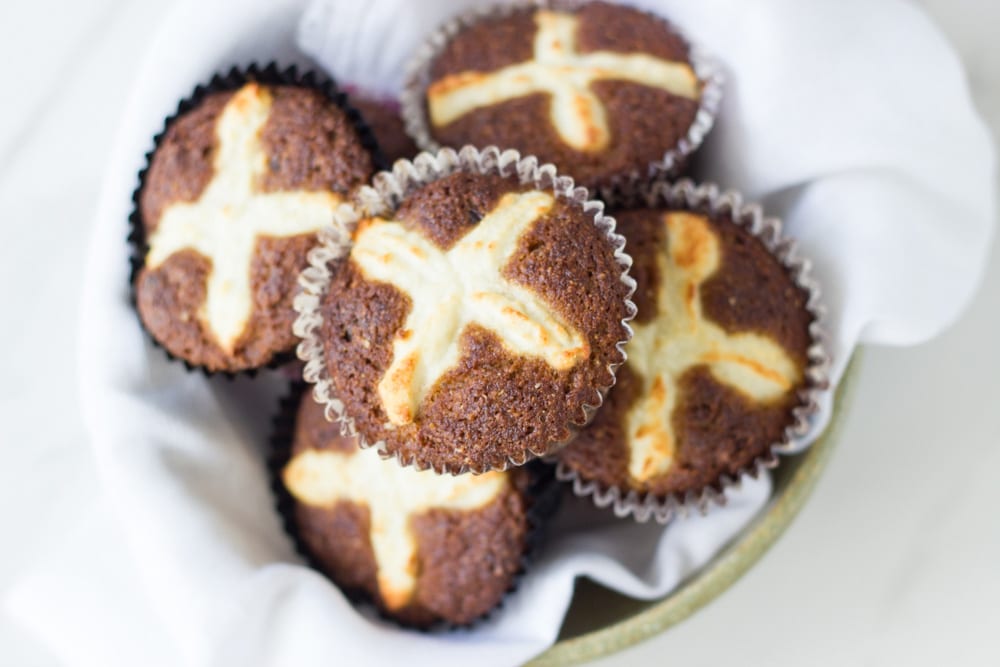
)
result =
(850, 119)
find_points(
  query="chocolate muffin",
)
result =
(474, 324)
(720, 367)
(426, 548)
(382, 116)
(228, 208)
(602, 91)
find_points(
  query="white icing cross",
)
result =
(452, 289)
(230, 215)
(662, 350)
(393, 495)
(559, 70)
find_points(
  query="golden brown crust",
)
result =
(437, 215)
(724, 432)
(776, 307)
(170, 297)
(168, 300)
(643, 239)
(467, 559)
(182, 164)
(488, 46)
(719, 431)
(493, 405)
(337, 539)
(311, 145)
(610, 27)
(644, 122)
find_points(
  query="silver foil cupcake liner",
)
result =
(388, 190)
(707, 198)
(542, 490)
(235, 78)
(671, 165)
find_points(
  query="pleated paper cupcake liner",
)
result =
(708, 199)
(235, 78)
(542, 491)
(388, 191)
(674, 160)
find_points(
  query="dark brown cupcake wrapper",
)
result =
(707, 198)
(671, 165)
(236, 77)
(543, 494)
(388, 190)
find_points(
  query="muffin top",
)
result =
(716, 363)
(471, 327)
(600, 90)
(234, 193)
(425, 547)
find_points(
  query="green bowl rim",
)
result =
(728, 566)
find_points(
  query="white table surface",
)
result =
(895, 560)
